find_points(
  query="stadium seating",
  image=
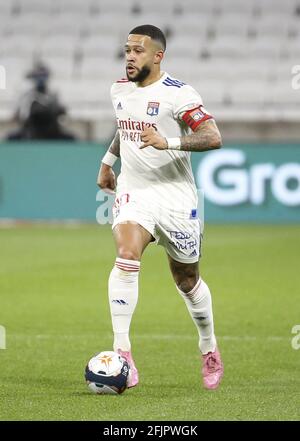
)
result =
(238, 53)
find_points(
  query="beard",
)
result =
(141, 75)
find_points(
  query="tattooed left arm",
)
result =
(206, 137)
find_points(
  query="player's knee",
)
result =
(188, 283)
(125, 253)
(186, 277)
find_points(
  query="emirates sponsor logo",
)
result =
(129, 124)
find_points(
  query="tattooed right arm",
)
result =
(106, 176)
(114, 147)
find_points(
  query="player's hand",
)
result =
(151, 137)
(106, 179)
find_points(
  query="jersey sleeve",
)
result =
(188, 107)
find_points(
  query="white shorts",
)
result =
(179, 232)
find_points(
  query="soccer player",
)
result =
(160, 121)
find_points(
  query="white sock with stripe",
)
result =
(199, 304)
(123, 296)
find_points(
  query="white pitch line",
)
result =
(151, 337)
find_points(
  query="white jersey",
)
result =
(162, 176)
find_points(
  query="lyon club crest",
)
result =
(152, 108)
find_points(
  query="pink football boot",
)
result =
(133, 378)
(212, 370)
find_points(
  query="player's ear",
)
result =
(158, 57)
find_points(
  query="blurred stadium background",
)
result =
(238, 54)
(242, 57)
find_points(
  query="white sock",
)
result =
(199, 304)
(123, 296)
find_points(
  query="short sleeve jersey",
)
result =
(160, 173)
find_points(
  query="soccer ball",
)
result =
(107, 373)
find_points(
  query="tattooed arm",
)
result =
(205, 137)
(106, 177)
(114, 147)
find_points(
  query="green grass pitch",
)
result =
(54, 307)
